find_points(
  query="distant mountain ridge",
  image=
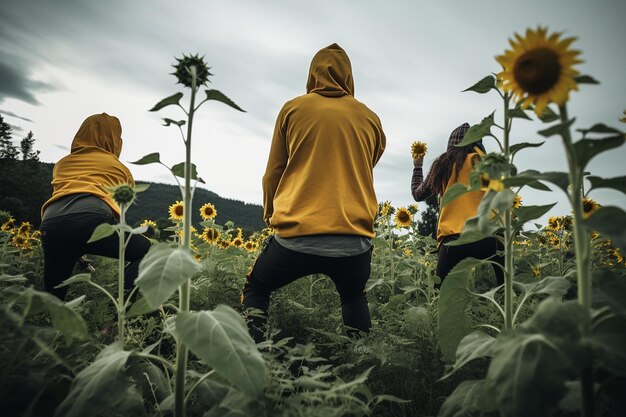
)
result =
(25, 186)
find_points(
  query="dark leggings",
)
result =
(64, 240)
(449, 256)
(278, 266)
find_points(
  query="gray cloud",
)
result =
(11, 114)
(16, 83)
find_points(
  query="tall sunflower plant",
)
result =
(167, 268)
(573, 343)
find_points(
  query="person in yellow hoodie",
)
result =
(454, 166)
(319, 194)
(81, 200)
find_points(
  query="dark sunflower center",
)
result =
(587, 206)
(403, 217)
(537, 70)
(178, 210)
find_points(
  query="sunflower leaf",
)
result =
(148, 159)
(586, 149)
(178, 123)
(140, 188)
(519, 146)
(585, 79)
(600, 128)
(477, 132)
(526, 213)
(483, 86)
(617, 183)
(102, 231)
(557, 129)
(548, 115)
(518, 113)
(179, 171)
(610, 222)
(219, 96)
(173, 99)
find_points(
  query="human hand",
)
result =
(418, 162)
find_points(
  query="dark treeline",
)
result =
(25, 186)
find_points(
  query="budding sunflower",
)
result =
(123, 194)
(418, 149)
(183, 70)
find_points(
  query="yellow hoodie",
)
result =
(319, 177)
(93, 165)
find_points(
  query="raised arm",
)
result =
(419, 189)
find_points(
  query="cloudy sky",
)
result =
(64, 60)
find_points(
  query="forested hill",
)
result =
(25, 186)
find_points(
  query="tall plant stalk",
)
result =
(583, 256)
(508, 232)
(184, 293)
(121, 306)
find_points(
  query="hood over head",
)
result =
(99, 131)
(457, 135)
(330, 73)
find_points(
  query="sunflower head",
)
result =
(488, 183)
(123, 194)
(407, 252)
(237, 242)
(250, 246)
(211, 235)
(208, 212)
(517, 203)
(177, 211)
(183, 70)
(589, 206)
(403, 217)
(223, 243)
(418, 149)
(24, 229)
(413, 208)
(386, 209)
(538, 69)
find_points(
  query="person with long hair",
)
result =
(451, 167)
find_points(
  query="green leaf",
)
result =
(140, 188)
(610, 291)
(609, 338)
(560, 179)
(102, 231)
(465, 401)
(173, 99)
(221, 339)
(162, 271)
(491, 205)
(586, 149)
(179, 171)
(452, 193)
(518, 113)
(616, 183)
(179, 123)
(519, 146)
(150, 380)
(99, 387)
(473, 346)
(477, 132)
(552, 286)
(548, 115)
(216, 95)
(585, 79)
(148, 159)
(454, 298)
(84, 277)
(471, 233)
(600, 128)
(610, 222)
(140, 307)
(483, 86)
(557, 129)
(64, 318)
(526, 213)
(521, 180)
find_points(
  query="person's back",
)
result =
(332, 142)
(319, 192)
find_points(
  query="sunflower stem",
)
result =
(184, 293)
(120, 277)
(508, 232)
(583, 264)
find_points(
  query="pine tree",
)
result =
(7, 149)
(427, 226)
(27, 147)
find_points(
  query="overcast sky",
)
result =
(64, 60)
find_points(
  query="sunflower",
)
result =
(538, 69)
(207, 211)
(488, 183)
(149, 224)
(413, 208)
(250, 246)
(535, 271)
(24, 229)
(517, 203)
(177, 211)
(211, 235)
(237, 242)
(197, 257)
(386, 209)
(589, 206)
(403, 217)
(223, 243)
(418, 149)
(8, 224)
(407, 252)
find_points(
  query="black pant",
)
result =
(449, 256)
(64, 241)
(278, 266)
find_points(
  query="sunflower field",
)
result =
(548, 342)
